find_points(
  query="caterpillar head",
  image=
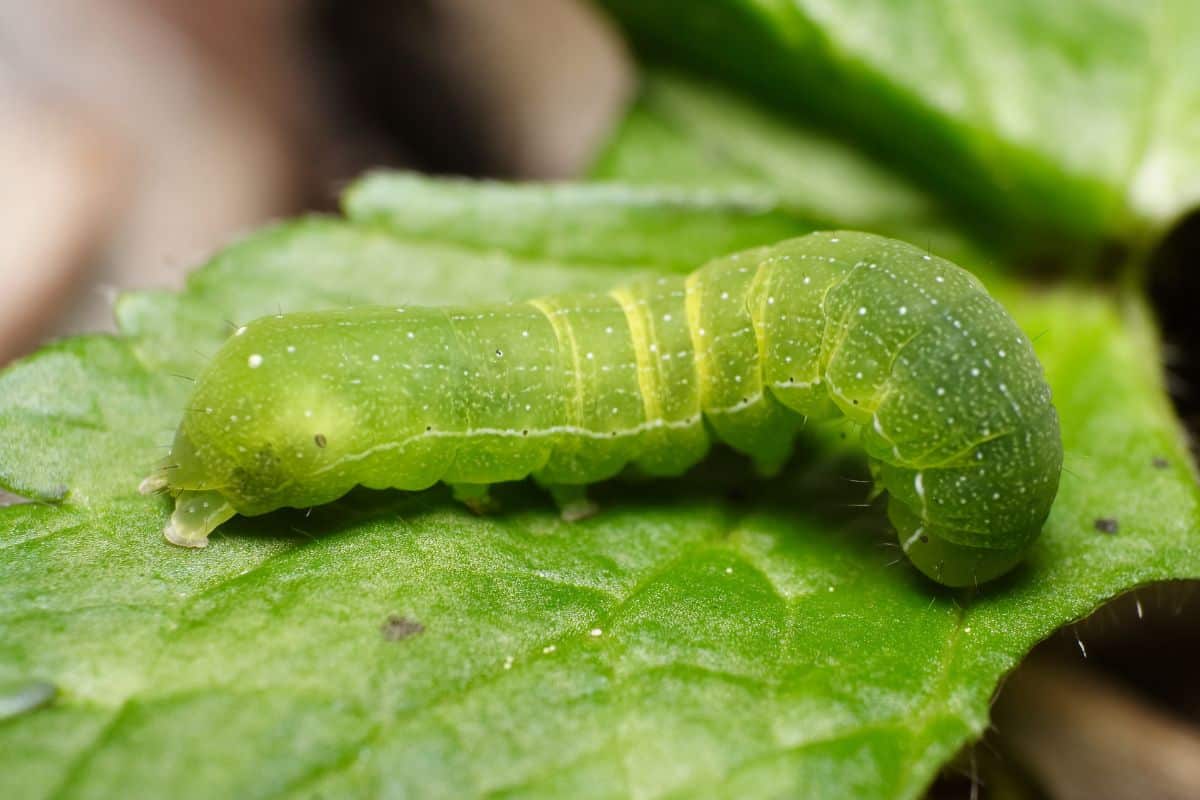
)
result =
(971, 519)
(931, 549)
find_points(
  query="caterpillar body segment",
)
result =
(955, 412)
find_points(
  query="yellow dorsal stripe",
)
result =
(566, 341)
(759, 290)
(647, 368)
(693, 291)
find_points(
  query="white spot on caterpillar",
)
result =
(903, 310)
(375, 357)
(974, 372)
(666, 317)
(548, 649)
(596, 632)
(411, 335)
(240, 331)
(291, 348)
(862, 311)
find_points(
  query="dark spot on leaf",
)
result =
(1106, 524)
(1160, 463)
(320, 440)
(396, 627)
(924, 539)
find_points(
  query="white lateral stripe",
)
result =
(909, 541)
(553, 430)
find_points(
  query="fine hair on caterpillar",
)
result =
(953, 407)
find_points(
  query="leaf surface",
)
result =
(711, 636)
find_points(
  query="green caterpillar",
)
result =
(952, 403)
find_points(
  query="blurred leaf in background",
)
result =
(1071, 123)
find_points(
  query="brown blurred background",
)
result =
(136, 136)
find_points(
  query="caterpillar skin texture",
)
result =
(953, 407)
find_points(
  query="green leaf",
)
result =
(681, 643)
(685, 133)
(593, 223)
(723, 178)
(1074, 120)
(688, 133)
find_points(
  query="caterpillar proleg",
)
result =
(954, 410)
